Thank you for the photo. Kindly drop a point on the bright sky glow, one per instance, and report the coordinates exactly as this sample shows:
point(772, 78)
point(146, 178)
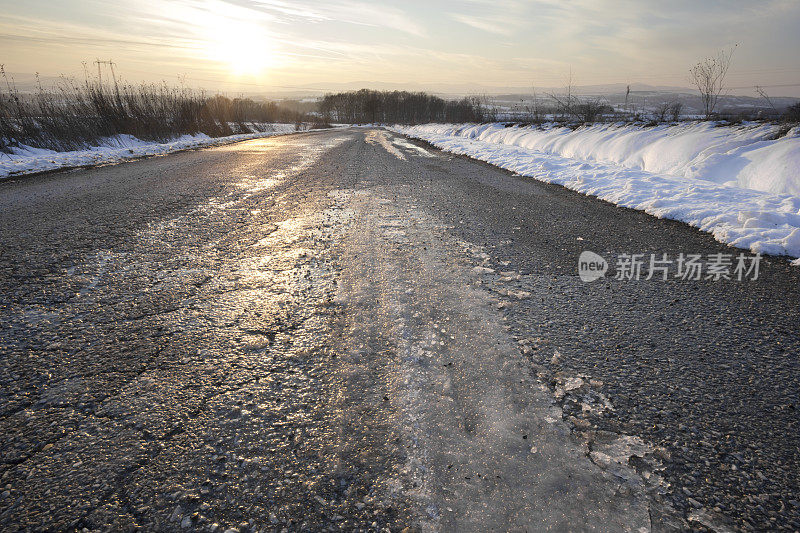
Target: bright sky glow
point(450, 46)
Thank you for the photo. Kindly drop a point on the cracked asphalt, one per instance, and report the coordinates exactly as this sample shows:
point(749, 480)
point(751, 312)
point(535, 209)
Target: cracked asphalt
point(348, 330)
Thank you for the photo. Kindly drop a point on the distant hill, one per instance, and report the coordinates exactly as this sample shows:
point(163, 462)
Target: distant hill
point(642, 96)
point(647, 100)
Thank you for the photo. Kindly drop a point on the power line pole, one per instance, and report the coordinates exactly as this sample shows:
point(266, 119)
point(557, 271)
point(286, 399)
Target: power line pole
point(113, 72)
point(99, 72)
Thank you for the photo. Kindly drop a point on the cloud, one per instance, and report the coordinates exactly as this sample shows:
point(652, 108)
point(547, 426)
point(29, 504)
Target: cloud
point(501, 27)
point(34, 30)
point(501, 42)
point(500, 17)
point(339, 11)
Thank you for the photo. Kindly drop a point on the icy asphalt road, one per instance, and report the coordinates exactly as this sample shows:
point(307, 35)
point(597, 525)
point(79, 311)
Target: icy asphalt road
point(348, 330)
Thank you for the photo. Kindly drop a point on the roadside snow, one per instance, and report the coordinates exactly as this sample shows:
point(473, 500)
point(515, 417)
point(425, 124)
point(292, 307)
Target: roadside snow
point(737, 183)
point(27, 160)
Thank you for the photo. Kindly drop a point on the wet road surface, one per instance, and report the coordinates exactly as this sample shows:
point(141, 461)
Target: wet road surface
point(348, 330)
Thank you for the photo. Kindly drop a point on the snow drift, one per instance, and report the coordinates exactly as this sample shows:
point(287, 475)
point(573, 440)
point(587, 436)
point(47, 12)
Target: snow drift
point(26, 159)
point(739, 183)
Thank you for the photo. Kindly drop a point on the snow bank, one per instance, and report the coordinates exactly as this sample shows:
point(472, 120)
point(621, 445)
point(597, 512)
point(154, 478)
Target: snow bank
point(26, 160)
point(740, 184)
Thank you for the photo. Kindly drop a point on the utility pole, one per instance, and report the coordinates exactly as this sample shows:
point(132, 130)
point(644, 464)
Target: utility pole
point(627, 94)
point(113, 73)
point(111, 67)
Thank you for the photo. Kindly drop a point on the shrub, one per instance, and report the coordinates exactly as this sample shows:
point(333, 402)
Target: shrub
point(792, 113)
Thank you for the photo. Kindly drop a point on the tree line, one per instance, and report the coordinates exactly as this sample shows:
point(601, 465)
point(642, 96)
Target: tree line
point(400, 107)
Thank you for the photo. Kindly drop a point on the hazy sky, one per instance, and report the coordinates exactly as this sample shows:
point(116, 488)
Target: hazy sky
point(255, 44)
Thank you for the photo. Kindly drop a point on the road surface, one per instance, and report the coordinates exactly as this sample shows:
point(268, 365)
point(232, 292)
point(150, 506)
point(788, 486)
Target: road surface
point(349, 330)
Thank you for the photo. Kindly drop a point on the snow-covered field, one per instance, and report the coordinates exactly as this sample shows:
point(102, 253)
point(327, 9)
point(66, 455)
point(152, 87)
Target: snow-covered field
point(739, 183)
point(26, 160)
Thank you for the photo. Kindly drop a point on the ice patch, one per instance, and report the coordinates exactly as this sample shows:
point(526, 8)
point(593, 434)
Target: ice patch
point(398, 141)
point(100, 261)
point(378, 137)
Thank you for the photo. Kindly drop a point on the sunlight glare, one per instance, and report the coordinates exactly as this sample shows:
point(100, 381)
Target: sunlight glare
point(245, 47)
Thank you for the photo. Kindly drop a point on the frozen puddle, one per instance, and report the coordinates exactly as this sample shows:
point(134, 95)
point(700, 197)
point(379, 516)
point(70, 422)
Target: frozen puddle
point(485, 445)
point(401, 142)
point(397, 146)
point(379, 138)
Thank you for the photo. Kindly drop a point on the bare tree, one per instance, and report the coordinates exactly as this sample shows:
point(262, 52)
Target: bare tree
point(586, 111)
point(662, 111)
point(536, 117)
point(668, 110)
point(675, 109)
point(763, 94)
point(708, 76)
point(565, 104)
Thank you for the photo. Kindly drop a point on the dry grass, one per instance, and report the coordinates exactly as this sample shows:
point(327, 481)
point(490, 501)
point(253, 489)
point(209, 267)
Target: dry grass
point(73, 115)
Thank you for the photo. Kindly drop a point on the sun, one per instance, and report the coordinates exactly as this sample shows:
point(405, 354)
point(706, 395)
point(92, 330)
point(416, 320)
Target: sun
point(244, 47)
